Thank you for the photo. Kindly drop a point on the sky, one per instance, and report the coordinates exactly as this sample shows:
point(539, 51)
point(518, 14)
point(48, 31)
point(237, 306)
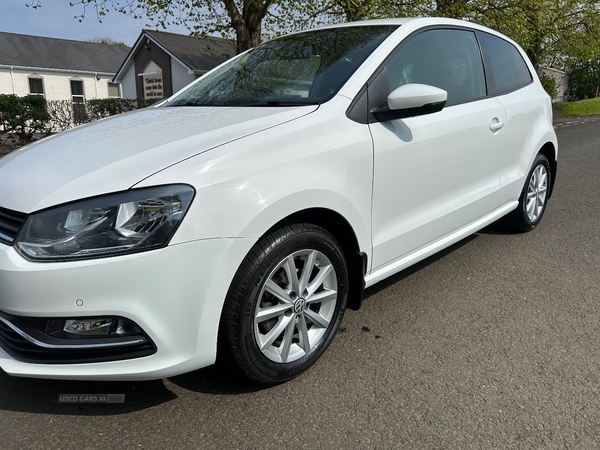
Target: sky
point(56, 19)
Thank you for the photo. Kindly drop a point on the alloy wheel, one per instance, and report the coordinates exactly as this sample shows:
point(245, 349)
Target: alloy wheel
point(295, 306)
point(536, 193)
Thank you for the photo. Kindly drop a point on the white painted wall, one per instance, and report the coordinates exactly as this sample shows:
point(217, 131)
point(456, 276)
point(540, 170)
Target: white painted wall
point(57, 85)
point(128, 89)
point(5, 82)
point(180, 75)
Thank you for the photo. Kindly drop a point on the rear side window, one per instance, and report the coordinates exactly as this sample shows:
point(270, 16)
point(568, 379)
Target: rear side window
point(505, 67)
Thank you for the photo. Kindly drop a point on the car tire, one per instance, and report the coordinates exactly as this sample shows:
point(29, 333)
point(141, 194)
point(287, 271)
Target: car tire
point(534, 197)
point(279, 318)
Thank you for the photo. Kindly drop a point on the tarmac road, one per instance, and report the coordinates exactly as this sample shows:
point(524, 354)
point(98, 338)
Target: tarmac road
point(491, 344)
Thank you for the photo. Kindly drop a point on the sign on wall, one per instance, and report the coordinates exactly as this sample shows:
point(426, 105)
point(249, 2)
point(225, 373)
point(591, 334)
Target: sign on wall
point(153, 81)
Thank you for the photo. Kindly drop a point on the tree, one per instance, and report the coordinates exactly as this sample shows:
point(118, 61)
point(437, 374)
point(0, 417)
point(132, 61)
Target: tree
point(356, 10)
point(245, 21)
point(585, 78)
point(321, 12)
point(242, 17)
point(105, 40)
point(551, 31)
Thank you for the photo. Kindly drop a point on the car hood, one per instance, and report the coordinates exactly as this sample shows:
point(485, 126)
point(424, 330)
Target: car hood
point(116, 153)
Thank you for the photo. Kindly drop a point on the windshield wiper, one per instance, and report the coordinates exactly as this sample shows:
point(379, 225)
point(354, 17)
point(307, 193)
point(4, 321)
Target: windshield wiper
point(280, 103)
point(272, 102)
point(189, 103)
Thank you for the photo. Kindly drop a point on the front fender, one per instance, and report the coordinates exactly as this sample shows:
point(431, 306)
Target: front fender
point(243, 188)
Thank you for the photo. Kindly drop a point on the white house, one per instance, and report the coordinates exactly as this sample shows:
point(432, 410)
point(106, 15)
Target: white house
point(58, 69)
point(160, 63)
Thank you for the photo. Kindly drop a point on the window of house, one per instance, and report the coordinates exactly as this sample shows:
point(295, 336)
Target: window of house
point(36, 85)
point(113, 90)
point(77, 91)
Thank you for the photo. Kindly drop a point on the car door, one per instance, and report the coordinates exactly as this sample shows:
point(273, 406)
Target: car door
point(526, 106)
point(435, 173)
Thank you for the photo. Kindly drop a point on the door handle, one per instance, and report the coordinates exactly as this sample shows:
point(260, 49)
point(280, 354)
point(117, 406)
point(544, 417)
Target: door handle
point(496, 125)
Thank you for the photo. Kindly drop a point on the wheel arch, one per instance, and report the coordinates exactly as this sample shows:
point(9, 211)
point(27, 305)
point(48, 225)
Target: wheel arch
point(337, 225)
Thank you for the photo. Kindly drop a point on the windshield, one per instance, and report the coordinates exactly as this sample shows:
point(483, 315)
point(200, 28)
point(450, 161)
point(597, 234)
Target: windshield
point(301, 69)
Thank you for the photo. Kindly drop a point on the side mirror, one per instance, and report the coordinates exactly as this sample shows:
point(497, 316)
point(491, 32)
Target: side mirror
point(411, 100)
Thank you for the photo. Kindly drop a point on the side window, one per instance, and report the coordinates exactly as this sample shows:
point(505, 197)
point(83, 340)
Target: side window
point(504, 64)
point(79, 112)
point(36, 85)
point(77, 91)
point(448, 59)
point(113, 90)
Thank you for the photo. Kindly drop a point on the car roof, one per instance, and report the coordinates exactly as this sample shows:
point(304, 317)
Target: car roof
point(418, 21)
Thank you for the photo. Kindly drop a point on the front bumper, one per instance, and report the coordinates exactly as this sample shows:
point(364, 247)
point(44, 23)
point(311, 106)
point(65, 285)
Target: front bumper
point(175, 295)
point(37, 341)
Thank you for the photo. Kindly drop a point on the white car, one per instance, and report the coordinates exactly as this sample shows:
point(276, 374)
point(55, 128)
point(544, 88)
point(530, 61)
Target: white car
point(238, 219)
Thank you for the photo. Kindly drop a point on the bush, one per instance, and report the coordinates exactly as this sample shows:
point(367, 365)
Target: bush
point(80, 113)
point(105, 107)
point(66, 114)
point(24, 116)
point(549, 85)
point(61, 114)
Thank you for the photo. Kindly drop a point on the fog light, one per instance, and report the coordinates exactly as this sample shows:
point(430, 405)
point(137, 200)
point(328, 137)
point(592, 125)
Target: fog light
point(91, 327)
point(88, 327)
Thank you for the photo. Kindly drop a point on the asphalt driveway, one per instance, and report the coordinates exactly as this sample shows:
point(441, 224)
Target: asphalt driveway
point(491, 344)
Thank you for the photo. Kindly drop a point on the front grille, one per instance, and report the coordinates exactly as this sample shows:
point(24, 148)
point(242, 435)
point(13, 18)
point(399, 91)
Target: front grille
point(10, 223)
point(44, 349)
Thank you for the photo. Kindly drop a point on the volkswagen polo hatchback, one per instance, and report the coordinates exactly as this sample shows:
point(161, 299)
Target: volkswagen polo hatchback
point(238, 219)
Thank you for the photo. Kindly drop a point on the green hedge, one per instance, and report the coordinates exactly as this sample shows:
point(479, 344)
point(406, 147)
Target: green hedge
point(549, 85)
point(105, 107)
point(24, 116)
point(32, 114)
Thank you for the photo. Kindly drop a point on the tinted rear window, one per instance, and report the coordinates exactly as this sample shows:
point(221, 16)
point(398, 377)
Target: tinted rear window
point(505, 67)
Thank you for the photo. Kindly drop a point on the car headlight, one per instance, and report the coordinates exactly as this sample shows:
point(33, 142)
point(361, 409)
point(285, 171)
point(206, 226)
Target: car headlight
point(130, 221)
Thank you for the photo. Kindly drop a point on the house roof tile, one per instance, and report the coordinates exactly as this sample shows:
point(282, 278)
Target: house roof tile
point(51, 53)
point(199, 53)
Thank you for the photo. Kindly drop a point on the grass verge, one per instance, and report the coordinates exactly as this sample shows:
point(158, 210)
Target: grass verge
point(590, 107)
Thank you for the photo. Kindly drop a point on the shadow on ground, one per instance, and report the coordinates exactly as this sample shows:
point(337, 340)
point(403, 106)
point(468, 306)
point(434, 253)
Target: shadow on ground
point(41, 396)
